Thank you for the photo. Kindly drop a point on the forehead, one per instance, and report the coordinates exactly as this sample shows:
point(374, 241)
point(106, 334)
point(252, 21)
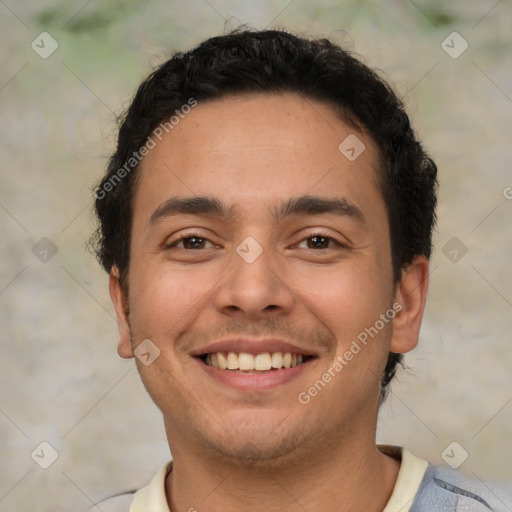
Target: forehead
point(256, 147)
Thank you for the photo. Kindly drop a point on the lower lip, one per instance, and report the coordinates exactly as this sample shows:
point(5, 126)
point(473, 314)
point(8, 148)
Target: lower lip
point(254, 381)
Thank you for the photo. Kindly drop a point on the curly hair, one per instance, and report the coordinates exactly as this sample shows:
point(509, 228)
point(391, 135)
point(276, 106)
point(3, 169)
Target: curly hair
point(270, 61)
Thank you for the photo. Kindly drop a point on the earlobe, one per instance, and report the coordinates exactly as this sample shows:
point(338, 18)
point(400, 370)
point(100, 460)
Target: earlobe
point(411, 293)
point(117, 295)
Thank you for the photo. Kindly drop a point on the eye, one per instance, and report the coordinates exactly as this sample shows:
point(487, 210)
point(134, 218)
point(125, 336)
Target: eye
point(191, 241)
point(320, 241)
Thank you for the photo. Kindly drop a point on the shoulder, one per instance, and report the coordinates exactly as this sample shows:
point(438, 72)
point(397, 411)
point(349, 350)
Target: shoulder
point(119, 503)
point(150, 497)
point(448, 490)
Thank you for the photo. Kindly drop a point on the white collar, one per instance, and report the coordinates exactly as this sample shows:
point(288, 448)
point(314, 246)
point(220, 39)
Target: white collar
point(412, 469)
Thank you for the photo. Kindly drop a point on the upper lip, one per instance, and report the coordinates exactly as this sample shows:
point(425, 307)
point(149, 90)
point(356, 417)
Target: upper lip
point(252, 346)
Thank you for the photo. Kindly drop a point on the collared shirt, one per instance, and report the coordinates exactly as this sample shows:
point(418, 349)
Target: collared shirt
point(152, 498)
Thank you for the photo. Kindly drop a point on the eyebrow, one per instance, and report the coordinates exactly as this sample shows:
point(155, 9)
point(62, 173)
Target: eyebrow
point(303, 205)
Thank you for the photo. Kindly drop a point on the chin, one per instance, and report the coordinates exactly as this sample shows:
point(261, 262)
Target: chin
point(259, 448)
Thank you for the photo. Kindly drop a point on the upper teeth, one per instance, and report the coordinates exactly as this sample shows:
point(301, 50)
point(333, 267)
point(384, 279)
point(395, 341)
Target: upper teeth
point(246, 361)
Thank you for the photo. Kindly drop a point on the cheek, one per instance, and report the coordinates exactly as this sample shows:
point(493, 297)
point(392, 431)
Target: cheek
point(164, 299)
point(346, 299)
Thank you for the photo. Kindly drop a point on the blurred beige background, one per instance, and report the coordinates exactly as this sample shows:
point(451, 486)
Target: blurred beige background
point(61, 381)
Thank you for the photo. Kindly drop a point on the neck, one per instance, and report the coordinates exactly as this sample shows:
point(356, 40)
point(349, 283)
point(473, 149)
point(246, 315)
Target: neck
point(352, 477)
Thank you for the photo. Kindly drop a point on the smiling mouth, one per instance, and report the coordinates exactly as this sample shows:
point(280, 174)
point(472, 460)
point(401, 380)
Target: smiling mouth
point(244, 362)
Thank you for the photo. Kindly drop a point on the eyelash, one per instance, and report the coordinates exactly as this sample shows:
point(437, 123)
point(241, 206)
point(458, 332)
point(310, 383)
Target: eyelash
point(188, 236)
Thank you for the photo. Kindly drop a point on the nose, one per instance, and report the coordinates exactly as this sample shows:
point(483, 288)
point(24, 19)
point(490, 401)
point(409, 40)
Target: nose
point(254, 289)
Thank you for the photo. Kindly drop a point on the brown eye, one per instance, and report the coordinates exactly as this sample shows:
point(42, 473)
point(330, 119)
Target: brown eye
point(190, 242)
point(318, 242)
point(193, 242)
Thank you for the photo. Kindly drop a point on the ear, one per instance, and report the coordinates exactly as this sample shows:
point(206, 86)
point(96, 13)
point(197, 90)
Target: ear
point(120, 301)
point(411, 294)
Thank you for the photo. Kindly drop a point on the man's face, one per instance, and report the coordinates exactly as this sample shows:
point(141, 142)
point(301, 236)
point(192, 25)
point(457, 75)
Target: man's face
point(323, 276)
